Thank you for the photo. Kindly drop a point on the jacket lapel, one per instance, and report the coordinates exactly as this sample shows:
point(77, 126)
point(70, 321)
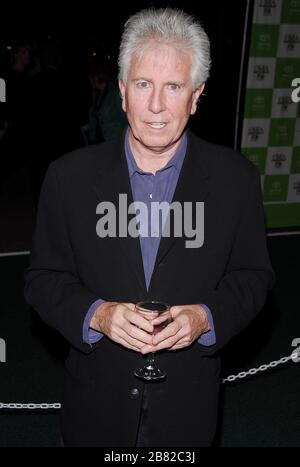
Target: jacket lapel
point(111, 182)
point(192, 185)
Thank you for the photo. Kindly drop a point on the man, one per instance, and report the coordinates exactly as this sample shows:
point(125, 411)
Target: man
point(86, 284)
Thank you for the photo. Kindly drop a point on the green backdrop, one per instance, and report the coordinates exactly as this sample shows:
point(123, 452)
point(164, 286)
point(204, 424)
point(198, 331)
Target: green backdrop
point(271, 127)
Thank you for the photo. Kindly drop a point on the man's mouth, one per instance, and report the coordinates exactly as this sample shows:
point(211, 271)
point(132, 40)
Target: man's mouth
point(156, 125)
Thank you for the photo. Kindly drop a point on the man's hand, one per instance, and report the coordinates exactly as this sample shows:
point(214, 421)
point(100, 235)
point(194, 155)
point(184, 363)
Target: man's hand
point(121, 323)
point(189, 322)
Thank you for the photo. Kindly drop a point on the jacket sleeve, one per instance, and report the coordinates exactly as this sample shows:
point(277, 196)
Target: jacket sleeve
point(242, 291)
point(52, 285)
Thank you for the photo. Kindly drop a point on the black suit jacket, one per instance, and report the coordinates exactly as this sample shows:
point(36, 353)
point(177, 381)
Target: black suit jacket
point(71, 267)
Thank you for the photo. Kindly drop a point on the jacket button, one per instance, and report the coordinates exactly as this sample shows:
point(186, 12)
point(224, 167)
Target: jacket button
point(134, 393)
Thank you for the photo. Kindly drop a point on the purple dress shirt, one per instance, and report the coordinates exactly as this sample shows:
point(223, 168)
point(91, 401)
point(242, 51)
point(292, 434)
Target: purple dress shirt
point(148, 187)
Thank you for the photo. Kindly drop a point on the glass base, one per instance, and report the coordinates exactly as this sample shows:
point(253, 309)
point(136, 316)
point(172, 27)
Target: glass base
point(150, 373)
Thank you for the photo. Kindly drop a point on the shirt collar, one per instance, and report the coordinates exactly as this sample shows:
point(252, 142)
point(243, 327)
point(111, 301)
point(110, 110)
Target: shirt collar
point(176, 161)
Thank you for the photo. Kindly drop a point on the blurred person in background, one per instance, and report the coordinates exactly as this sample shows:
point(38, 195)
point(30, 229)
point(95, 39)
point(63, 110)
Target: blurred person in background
point(106, 118)
point(50, 118)
point(23, 66)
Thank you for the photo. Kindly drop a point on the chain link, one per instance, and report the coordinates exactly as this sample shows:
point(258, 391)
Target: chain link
point(243, 374)
point(261, 368)
point(30, 406)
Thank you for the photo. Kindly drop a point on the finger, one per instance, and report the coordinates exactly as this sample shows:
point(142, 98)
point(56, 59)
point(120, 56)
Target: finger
point(174, 310)
point(162, 345)
point(169, 331)
point(149, 314)
point(132, 341)
point(137, 334)
point(178, 346)
point(130, 306)
point(138, 320)
point(126, 344)
point(147, 349)
point(161, 319)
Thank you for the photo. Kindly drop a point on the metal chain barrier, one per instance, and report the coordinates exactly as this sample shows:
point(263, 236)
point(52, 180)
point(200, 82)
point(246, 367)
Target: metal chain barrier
point(243, 374)
point(30, 406)
point(261, 368)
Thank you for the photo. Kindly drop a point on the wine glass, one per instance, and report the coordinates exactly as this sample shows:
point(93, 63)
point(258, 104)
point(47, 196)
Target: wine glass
point(150, 310)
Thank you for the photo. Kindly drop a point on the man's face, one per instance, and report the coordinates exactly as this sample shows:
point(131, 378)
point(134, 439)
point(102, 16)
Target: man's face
point(158, 97)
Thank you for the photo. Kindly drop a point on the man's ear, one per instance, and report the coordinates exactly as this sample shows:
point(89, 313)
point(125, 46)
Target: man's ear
point(196, 96)
point(122, 88)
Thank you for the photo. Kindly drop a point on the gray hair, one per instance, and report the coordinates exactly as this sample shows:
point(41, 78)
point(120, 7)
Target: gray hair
point(166, 26)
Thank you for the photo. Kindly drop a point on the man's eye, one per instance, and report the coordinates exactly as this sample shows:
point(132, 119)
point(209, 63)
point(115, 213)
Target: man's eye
point(173, 86)
point(143, 84)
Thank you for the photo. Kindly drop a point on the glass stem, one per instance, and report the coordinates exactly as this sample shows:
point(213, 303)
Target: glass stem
point(150, 360)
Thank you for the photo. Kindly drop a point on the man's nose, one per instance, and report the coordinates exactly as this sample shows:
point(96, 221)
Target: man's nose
point(157, 101)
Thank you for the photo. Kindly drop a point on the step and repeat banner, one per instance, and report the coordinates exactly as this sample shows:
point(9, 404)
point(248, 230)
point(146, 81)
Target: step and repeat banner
point(271, 127)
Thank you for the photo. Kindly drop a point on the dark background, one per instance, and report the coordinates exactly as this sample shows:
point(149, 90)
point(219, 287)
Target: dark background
point(258, 411)
point(86, 28)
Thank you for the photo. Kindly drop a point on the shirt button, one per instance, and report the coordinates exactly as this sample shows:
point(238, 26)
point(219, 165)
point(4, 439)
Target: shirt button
point(134, 393)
